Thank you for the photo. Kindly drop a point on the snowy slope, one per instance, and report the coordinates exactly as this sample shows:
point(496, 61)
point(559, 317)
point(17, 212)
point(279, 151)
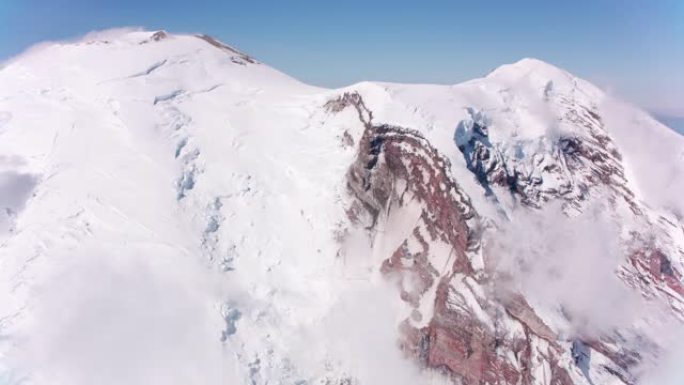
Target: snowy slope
point(176, 211)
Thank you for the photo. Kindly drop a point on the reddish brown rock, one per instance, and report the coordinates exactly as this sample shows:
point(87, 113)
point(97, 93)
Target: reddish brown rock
point(456, 339)
point(472, 336)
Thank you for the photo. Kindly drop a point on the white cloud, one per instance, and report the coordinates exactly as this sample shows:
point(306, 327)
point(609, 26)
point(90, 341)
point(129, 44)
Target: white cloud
point(106, 34)
point(108, 317)
point(362, 330)
point(567, 263)
point(669, 370)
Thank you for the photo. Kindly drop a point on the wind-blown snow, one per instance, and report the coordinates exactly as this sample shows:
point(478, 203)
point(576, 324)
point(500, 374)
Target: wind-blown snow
point(653, 152)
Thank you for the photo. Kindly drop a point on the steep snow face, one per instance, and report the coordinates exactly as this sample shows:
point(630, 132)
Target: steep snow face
point(165, 180)
point(174, 211)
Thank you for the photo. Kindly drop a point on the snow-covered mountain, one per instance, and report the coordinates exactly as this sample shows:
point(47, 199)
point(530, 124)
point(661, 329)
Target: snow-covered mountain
point(175, 211)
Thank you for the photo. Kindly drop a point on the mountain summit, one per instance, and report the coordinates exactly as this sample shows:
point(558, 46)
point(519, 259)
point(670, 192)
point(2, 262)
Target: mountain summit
point(175, 211)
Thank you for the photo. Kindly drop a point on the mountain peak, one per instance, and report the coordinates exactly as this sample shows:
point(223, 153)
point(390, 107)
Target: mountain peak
point(535, 74)
point(531, 62)
point(525, 66)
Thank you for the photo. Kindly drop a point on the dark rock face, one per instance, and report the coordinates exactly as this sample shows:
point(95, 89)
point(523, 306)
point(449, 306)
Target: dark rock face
point(159, 35)
point(156, 37)
point(468, 333)
point(237, 57)
point(653, 273)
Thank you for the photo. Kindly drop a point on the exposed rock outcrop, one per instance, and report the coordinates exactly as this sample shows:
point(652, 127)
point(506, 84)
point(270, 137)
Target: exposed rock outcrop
point(456, 324)
point(568, 167)
point(237, 57)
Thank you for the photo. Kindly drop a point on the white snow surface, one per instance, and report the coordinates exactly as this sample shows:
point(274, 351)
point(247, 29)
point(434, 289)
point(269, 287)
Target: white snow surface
point(171, 216)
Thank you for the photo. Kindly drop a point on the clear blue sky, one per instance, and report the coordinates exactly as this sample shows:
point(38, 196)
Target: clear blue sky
point(635, 47)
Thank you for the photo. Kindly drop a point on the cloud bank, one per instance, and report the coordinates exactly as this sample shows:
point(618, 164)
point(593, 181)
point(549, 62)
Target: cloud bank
point(125, 318)
point(567, 265)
